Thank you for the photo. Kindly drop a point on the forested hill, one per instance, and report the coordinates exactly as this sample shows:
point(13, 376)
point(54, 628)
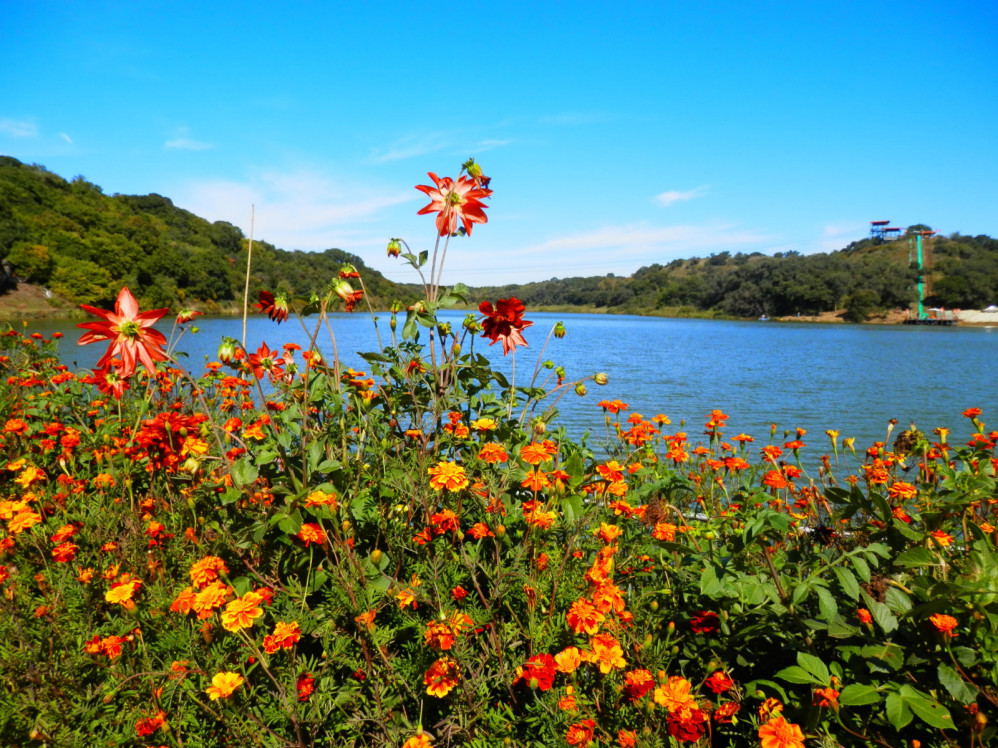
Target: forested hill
point(84, 245)
point(863, 278)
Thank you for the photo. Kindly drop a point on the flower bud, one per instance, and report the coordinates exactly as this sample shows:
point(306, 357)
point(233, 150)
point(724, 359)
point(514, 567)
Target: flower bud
point(559, 330)
point(601, 378)
point(394, 248)
point(376, 556)
point(539, 426)
point(227, 351)
point(580, 389)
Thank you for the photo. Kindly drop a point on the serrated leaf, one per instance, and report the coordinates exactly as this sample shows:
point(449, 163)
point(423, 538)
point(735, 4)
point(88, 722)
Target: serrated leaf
point(858, 694)
point(826, 604)
point(956, 685)
point(710, 585)
point(915, 557)
point(814, 666)
point(847, 580)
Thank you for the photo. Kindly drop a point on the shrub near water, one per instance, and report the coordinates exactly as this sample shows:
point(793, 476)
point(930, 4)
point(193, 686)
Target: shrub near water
point(416, 555)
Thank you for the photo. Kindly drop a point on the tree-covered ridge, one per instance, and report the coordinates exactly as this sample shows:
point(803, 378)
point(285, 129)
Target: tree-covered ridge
point(863, 277)
point(84, 245)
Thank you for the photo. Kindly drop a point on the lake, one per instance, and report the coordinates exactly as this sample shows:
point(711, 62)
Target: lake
point(851, 378)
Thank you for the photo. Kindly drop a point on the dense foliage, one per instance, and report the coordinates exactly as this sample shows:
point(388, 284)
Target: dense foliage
point(278, 551)
point(84, 245)
point(863, 278)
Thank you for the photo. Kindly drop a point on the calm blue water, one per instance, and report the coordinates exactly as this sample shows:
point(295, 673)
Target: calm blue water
point(852, 378)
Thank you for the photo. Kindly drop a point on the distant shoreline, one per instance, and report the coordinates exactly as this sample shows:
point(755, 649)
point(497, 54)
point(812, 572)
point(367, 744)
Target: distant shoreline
point(30, 302)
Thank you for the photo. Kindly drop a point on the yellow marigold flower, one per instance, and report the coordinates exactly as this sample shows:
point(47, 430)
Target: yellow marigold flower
point(123, 592)
point(223, 684)
point(241, 612)
point(484, 424)
point(568, 660)
point(447, 475)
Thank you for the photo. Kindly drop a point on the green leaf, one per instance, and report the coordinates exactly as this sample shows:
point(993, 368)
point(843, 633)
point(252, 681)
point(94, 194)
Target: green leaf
point(814, 666)
point(881, 614)
point(847, 580)
point(794, 674)
point(897, 601)
point(858, 694)
point(826, 604)
point(244, 472)
point(928, 710)
point(915, 557)
point(897, 712)
point(956, 685)
point(862, 568)
point(328, 466)
point(710, 585)
point(965, 656)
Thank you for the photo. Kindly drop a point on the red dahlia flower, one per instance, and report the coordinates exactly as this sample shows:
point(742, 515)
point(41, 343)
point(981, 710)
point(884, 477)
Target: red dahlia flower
point(504, 322)
point(276, 309)
point(453, 201)
point(130, 332)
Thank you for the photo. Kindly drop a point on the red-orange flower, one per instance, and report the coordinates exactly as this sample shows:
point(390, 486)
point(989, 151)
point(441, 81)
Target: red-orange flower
point(944, 623)
point(453, 201)
point(441, 678)
point(504, 322)
point(275, 308)
point(581, 733)
point(130, 332)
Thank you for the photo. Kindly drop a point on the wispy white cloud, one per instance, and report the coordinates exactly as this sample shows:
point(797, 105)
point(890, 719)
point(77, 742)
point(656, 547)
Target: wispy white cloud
point(838, 235)
point(65, 137)
point(489, 144)
point(412, 146)
point(641, 239)
point(186, 144)
point(294, 210)
point(18, 128)
point(676, 196)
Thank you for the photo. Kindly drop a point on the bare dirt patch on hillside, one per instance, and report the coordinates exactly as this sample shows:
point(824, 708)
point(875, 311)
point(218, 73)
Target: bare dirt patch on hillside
point(31, 302)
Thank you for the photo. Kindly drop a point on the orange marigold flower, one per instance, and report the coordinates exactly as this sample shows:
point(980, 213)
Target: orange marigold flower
point(447, 475)
point(211, 597)
point(568, 660)
point(606, 652)
point(584, 617)
point(825, 697)
point(944, 623)
point(321, 498)
point(944, 539)
point(627, 738)
point(241, 612)
point(675, 694)
point(184, 602)
point(537, 672)
point(664, 531)
point(442, 677)
point(420, 740)
point(864, 616)
point(285, 636)
point(65, 552)
point(223, 685)
point(608, 533)
point(581, 733)
point(536, 480)
point(534, 454)
point(972, 412)
point(724, 712)
point(778, 733)
point(311, 532)
point(305, 685)
point(567, 703)
point(493, 453)
point(901, 491)
point(22, 521)
point(481, 530)
point(148, 725)
point(207, 570)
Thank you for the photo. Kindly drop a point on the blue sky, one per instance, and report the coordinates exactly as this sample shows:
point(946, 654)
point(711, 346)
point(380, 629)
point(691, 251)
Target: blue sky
point(616, 137)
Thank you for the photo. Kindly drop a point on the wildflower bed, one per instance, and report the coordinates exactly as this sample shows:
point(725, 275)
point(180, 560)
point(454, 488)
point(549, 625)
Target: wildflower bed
point(418, 556)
